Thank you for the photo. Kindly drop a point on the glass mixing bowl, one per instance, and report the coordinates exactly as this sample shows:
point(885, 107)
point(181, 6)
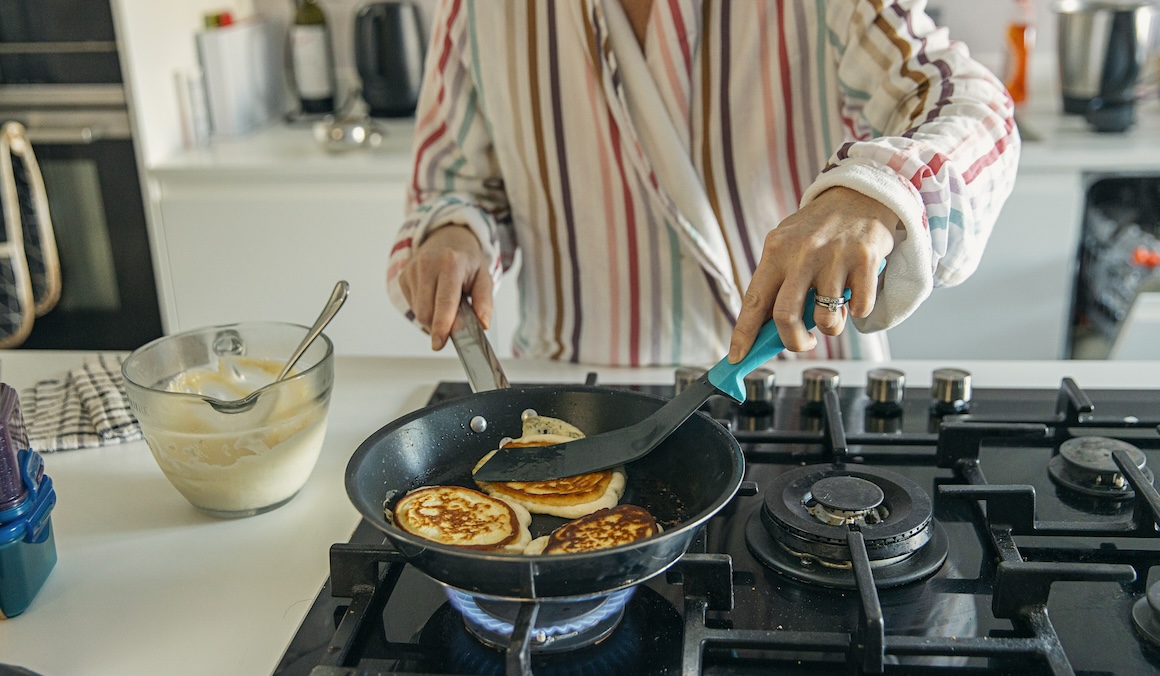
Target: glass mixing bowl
point(230, 460)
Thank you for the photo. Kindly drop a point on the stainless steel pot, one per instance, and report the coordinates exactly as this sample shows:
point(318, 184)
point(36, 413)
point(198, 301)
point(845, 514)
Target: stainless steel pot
point(1103, 47)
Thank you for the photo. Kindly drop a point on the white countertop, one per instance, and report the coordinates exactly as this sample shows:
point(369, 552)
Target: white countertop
point(1051, 142)
point(286, 150)
point(145, 584)
point(1056, 142)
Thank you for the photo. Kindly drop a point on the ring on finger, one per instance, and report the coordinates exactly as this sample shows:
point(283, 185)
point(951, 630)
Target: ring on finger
point(831, 303)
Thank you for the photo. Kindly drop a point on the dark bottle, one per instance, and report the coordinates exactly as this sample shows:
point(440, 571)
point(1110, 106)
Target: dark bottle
point(311, 58)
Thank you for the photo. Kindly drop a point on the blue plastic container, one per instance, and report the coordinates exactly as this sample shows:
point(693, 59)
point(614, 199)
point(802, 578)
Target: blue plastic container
point(27, 546)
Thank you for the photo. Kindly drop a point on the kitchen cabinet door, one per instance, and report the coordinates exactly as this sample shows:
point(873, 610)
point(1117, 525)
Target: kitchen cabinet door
point(272, 248)
point(1017, 305)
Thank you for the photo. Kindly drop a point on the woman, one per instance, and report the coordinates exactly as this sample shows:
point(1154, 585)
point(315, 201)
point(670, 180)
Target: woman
point(652, 160)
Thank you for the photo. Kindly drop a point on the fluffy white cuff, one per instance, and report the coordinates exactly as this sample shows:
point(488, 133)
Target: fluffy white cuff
point(907, 280)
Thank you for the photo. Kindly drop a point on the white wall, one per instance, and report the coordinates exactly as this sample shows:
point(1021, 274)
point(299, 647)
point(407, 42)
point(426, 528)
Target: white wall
point(981, 24)
point(156, 40)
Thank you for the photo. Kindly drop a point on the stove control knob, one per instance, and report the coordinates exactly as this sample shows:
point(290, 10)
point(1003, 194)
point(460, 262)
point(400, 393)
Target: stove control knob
point(885, 386)
point(685, 376)
point(760, 386)
point(816, 382)
point(951, 388)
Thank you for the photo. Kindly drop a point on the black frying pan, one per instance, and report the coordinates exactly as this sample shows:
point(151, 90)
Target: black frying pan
point(684, 482)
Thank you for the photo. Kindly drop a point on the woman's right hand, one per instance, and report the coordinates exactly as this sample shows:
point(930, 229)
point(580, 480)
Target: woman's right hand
point(449, 263)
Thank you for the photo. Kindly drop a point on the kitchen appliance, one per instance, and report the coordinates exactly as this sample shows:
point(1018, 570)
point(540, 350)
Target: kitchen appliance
point(1118, 271)
point(880, 529)
point(1103, 47)
point(389, 46)
point(61, 78)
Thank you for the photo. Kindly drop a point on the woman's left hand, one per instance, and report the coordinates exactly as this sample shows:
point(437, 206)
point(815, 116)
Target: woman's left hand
point(833, 243)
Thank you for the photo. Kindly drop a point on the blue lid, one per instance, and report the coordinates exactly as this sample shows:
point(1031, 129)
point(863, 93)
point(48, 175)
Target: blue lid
point(29, 519)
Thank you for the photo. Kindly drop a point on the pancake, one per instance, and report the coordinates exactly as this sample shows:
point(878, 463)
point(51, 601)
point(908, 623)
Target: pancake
point(453, 515)
point(568, 497)
point(542, 424)
point(600, 530)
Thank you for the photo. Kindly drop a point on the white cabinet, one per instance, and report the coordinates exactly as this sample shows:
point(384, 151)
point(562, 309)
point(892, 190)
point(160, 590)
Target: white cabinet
point(1018, 303)
point(264, 246)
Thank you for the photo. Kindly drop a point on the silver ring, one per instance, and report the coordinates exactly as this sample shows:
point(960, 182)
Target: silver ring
point(831, 303)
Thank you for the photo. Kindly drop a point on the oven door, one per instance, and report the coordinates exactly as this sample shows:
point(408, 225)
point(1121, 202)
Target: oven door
point(57, 42)
point(108, 293)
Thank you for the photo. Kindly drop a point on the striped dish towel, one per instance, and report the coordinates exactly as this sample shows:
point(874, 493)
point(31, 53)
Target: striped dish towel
point(84, 408)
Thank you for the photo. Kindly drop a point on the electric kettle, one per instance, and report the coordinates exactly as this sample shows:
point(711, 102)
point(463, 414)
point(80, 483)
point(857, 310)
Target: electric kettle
point(1103, 48)
point(389, 47)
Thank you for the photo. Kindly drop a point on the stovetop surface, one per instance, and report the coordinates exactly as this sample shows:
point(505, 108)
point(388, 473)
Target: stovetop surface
point(420, 633)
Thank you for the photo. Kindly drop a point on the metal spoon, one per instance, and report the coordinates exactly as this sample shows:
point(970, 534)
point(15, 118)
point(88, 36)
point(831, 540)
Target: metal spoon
point(337, 298)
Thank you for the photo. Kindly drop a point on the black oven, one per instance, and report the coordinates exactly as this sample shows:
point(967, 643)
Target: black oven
point(61, 78)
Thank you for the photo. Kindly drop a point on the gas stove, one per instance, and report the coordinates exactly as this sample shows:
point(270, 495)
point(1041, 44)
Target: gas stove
point(880, 529)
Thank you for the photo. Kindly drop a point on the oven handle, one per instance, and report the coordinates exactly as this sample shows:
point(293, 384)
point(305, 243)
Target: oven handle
point(65, 135)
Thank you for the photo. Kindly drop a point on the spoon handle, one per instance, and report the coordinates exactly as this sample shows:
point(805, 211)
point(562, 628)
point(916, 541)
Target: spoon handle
point(337, 298)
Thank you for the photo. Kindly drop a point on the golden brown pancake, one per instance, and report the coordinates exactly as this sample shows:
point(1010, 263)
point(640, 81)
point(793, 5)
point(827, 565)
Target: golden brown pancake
point(569, 497)
point(453, 515)
point(600, 530)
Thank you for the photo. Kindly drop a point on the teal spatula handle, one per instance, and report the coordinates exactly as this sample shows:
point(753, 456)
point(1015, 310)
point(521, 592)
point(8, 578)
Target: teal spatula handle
point(730, 378)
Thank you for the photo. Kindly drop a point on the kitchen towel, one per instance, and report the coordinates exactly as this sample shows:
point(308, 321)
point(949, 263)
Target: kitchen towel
point(83, 408)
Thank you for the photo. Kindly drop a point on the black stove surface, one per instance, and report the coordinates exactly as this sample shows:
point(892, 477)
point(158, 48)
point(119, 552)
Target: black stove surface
point(1046, 585)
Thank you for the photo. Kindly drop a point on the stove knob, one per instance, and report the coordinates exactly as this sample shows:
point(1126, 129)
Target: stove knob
point(885, 386)
point(760, 386)
point(951, 388)
point(685, 376)
point(816, 382)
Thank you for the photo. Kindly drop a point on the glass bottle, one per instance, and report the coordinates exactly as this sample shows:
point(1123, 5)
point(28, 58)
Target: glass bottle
point(311, 58)
point(1020, 42)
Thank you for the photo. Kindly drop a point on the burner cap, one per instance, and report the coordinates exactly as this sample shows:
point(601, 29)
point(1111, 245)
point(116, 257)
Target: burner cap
point(1085, 465)
point(1146, 615)
point(845, 499)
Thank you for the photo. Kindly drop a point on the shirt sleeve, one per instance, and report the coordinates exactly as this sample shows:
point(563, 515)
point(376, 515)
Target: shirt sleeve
point(455, 177)
point(930, 133)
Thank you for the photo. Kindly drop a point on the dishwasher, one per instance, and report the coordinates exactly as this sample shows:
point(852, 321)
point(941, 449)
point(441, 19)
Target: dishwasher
point(1116, 308)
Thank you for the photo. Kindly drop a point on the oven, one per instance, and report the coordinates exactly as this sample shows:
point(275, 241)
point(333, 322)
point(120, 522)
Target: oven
point(60, 76)
point(880, 529)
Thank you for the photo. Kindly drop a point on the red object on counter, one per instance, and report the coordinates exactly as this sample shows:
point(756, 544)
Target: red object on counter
point(1020, 44)
point(1145, 257)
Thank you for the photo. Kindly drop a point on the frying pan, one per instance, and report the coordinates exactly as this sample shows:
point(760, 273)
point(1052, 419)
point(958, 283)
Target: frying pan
point(684, 482)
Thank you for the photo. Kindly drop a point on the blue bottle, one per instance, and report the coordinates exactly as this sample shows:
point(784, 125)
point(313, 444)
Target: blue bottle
point(27, 546)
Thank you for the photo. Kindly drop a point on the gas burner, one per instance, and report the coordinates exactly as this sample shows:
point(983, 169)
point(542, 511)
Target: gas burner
point(560, 625)
point(1146, 616)
point(801, 529)
point(647, 641)
point(1085, 465)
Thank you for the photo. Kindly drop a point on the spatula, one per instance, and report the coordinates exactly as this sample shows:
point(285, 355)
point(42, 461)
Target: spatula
point(609, 449)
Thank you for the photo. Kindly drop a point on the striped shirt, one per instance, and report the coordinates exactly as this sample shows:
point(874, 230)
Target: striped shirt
point(523, 134)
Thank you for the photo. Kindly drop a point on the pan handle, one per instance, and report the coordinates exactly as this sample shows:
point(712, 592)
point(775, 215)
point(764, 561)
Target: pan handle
point(475, 353)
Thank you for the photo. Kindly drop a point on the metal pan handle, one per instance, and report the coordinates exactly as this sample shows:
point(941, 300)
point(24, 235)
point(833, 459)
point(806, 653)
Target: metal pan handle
point(479, 361)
